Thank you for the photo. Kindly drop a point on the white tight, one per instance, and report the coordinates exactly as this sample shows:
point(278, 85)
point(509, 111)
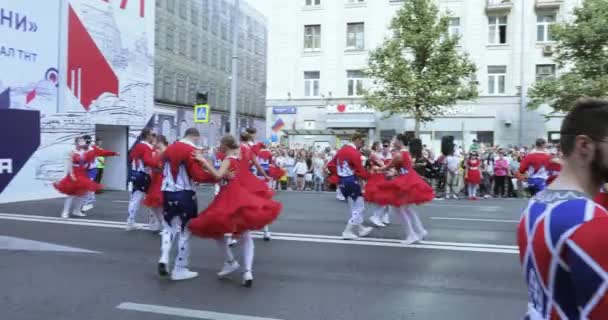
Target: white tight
point(134, 204)
point(156, 216)
point(410, 221)
point(168, 236)
point(378, 211)
point(77, 201)
point(472, 189)
point(248, 250)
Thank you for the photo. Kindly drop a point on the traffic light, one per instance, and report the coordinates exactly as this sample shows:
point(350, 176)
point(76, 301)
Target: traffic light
point(201, 98)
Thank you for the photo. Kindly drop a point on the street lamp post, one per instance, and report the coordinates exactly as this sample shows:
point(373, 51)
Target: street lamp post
point(235, 80)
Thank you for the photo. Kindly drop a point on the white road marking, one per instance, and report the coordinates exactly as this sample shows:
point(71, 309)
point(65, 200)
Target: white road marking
point(120, 201)
point(474, 219)
point(185, 313)
point(461, 206)
point(450, 246)
point(384, 240)
point(18, 244)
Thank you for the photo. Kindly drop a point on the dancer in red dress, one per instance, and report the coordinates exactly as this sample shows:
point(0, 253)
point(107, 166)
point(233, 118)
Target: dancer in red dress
point(275, 171)
point(248, 159)
point(77, 184)
point(180, 173)
point(217, 157)
point(235, 210)
point(154, 197)
point(406, 188)
point(473, 175)
point(376, 163)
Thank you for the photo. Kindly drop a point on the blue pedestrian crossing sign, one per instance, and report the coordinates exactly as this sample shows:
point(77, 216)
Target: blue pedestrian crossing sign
point(201, 113)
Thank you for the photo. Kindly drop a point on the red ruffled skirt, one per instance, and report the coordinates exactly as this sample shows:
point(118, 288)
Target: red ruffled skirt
point(473, 177)
point(254, 184)
point(154, 197)
point(79, 187)
point(234, 210)
point(405, 189)
point(602, 199)
point(372, 193)
point(333, 179)
point(276, 173)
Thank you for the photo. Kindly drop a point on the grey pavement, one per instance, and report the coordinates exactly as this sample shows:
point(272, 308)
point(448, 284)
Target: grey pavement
point(299, 280)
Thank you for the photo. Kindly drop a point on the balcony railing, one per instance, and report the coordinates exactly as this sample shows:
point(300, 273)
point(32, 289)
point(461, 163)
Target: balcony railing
point(498, 5)
point(548, 4)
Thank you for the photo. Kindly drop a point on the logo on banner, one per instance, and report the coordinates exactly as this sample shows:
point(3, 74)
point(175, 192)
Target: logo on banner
point(6, 166)
point(284, 110)
point(19, 129)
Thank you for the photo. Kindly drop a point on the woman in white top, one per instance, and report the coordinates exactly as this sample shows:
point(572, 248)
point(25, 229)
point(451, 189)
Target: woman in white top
point(300, 170)
point(290, 163)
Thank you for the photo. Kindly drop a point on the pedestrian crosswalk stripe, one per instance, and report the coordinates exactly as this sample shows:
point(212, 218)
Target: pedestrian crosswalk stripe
point(185, 313)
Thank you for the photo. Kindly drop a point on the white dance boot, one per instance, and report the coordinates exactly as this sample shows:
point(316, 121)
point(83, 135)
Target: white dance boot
point(364, 231)
point(349, 232)
point(228, 268)
point(179, 274)
point(247, 279)
point(376, 221)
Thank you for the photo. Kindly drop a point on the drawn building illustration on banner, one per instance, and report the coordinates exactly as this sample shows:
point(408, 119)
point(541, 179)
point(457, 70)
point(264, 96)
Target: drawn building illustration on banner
point(104, 78)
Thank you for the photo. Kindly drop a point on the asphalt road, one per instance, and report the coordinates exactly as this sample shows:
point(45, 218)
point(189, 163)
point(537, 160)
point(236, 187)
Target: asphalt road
point(467, 269)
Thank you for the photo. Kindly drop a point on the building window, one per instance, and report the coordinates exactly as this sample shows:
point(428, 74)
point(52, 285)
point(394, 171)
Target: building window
point(497, 29)
point(454, 29)
point(182, 43)
point(192, 89)
point(355, 82)
point(169, 39)
point(312, 37)
point(204, 53)
point(171, 5)
point(181, 89)
point(311, 83)
point(194, 48)
point(309, 3)
point(183, 9)
point(496, 79)
point(213, 56)
point(543, 27)
point(195, 14)
point(309, 124)
point(355, 39)
point(168, 88)
point(545, 72)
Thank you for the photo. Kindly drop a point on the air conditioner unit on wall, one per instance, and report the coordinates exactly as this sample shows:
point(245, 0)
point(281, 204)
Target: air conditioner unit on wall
point(548, 50)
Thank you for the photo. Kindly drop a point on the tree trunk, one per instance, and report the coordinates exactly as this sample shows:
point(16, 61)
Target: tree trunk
point(417, 121)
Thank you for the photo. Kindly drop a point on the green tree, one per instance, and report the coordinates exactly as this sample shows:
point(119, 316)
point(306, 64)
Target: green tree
point(419, 71)
point(581, 47)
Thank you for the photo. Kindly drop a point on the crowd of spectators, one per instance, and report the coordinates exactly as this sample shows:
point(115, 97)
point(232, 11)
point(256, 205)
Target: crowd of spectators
point(306, 169)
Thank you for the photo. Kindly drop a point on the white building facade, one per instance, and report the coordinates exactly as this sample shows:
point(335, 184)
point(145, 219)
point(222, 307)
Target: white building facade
point(318, 48)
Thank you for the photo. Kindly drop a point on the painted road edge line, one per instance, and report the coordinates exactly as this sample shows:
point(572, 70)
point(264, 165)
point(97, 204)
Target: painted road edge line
point(451, 246)
point(185, 313)
point(474, 219)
